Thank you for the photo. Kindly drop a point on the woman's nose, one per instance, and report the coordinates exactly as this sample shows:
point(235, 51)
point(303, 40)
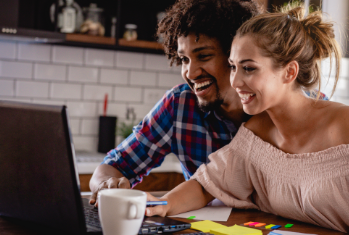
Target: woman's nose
point(235, 79)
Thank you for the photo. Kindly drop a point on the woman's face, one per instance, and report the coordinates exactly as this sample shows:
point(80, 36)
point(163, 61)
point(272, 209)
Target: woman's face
point(258, 83)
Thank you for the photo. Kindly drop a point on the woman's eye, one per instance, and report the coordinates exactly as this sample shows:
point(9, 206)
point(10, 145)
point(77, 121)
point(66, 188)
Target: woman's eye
point(232, 67)
point(183, 59)
point(248, 69)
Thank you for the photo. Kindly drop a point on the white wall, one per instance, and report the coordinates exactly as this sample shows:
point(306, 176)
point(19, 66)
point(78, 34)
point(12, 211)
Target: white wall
point(80, 77)
point(342, 91)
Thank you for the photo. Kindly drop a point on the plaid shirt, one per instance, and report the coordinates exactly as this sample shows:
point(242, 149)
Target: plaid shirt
point(176, 125)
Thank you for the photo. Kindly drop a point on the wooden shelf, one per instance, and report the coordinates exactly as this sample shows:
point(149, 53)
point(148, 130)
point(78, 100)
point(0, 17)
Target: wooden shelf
point(140, 44)
point(84, 38)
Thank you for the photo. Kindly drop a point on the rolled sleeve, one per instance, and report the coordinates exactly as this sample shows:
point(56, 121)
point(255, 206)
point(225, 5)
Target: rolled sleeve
point(147, 146)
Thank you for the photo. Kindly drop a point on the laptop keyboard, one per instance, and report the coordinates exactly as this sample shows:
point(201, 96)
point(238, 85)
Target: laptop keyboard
point(91, 218)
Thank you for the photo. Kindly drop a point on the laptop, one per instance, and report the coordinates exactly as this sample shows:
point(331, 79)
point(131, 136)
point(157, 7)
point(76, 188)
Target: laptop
point(39, 181)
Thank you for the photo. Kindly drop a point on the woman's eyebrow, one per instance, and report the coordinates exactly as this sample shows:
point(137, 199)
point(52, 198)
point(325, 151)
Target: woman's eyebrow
point(246, 60)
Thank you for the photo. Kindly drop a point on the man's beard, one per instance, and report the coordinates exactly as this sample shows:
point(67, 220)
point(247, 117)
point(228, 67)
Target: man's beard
point(207, 106)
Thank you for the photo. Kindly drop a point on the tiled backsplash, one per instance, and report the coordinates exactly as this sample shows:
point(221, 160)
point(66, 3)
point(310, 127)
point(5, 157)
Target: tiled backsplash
point(80, 77)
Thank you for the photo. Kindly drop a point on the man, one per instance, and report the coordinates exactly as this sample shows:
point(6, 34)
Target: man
point(192, 120)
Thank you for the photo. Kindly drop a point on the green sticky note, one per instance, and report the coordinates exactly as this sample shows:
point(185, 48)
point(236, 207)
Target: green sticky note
point(191, 217)
point(206, 225)
point(288, 225)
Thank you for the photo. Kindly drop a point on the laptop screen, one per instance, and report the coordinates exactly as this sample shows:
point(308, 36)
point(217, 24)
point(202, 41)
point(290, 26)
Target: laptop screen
point(38, 180)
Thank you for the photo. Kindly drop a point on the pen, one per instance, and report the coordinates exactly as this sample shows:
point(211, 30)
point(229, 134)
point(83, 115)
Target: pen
point(156, 203)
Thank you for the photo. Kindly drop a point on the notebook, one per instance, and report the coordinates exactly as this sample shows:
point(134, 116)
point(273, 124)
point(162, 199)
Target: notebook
point(39, 182)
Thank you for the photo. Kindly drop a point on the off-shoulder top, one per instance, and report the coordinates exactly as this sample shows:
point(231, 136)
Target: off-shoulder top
point(250, 173)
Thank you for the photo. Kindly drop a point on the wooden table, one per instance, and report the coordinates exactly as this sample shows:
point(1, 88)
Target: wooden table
point(13, 227)
point(242, 216)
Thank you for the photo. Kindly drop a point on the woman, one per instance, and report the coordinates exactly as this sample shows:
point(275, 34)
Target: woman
point(292, 157)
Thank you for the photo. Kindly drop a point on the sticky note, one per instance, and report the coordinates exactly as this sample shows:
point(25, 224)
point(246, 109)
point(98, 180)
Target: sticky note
point(247, 223)
point(260, 225)
point(276, 227)
point(206, 225)
point(274, 233)
point(288, 225)
point(269, 226)
point(191, 217)
point(253, 224)
point(236, 229)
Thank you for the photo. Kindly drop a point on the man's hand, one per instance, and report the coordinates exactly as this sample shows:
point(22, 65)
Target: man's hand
point(155, 210)
point(104, 177)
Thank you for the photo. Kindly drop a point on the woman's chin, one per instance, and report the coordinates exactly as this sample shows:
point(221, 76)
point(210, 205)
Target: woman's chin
point(250, 111)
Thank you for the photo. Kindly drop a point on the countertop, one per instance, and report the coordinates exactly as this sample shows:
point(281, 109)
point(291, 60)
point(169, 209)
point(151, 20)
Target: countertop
point(88, 161)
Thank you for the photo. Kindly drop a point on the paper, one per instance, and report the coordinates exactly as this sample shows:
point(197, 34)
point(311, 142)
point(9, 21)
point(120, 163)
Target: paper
point(290, 233)
point(206, 225)
point(236, 230)
point(215, 213)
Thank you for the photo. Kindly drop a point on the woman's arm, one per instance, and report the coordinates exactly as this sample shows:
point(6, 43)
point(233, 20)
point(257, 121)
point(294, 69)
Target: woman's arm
point(187, 196)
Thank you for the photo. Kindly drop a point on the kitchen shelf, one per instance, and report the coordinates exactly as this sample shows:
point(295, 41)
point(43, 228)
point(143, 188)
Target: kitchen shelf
point(141, 44)
point(99, 42)
point(84, 38)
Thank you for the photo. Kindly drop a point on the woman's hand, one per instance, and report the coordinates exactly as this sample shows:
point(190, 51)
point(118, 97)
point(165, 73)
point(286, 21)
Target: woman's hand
point(156, 210)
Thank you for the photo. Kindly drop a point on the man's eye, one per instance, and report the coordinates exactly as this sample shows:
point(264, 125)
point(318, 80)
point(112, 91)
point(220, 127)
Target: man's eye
point(203, 56)
point(249, 69)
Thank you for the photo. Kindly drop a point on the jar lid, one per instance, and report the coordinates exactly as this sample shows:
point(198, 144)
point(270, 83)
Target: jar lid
point(130, 26)
point(93, 8)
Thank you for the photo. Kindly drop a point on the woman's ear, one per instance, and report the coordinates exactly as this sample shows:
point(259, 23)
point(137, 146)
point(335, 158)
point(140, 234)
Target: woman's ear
point(292, 70)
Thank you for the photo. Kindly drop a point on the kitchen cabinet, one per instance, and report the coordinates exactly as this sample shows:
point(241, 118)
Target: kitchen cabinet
point(163, 178)
point(164, 181)
point(33, 16)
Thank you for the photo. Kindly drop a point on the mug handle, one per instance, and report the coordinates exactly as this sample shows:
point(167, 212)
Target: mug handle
point(138, 210)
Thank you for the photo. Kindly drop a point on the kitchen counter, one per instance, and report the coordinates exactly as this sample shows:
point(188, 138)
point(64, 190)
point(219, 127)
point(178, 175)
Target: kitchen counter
point(88, 161)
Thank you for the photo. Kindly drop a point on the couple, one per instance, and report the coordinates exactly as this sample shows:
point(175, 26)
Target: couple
point(291, 158)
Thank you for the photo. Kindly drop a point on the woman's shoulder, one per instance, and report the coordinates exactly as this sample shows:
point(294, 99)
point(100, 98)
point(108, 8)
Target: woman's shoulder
point(336, 120)
point(340, 114)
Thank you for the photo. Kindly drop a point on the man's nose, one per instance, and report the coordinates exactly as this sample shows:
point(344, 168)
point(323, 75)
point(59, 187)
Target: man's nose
point(193, 70)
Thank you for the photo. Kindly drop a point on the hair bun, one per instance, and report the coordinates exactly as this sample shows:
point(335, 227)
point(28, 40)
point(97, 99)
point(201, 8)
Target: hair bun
point(297, 12)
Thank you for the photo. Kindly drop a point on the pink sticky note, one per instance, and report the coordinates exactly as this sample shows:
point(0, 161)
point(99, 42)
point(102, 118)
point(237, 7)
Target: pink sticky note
point(253, 224)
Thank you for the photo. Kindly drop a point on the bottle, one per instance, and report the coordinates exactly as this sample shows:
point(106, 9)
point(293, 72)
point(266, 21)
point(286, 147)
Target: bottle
point(68, 17)
point(130, 32)
point(61, 6)
point(113, 27)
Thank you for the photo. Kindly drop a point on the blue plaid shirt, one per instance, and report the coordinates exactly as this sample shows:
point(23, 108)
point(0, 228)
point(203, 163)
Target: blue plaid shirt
point(176, 125)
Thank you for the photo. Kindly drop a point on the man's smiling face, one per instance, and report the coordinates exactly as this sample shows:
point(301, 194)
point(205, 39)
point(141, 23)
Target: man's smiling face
point(205, 68)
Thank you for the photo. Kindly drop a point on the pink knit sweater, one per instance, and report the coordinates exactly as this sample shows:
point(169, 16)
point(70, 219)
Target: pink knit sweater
point(250, 173)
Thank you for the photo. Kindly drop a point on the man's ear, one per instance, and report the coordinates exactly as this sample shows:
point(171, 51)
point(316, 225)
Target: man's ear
point(292, 70)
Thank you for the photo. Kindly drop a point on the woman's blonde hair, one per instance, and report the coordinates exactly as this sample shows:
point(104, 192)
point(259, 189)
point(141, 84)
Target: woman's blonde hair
point(289, 35)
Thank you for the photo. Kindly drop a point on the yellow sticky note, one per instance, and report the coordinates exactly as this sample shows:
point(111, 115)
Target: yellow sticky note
point(269, 226)
point(236, 230)
point(206, 225)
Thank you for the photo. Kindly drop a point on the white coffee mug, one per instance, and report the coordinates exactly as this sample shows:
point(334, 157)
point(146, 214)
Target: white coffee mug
point(121, 211)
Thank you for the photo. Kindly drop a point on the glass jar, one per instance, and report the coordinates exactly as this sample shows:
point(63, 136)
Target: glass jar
point(130, 33)
point(93, 20)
